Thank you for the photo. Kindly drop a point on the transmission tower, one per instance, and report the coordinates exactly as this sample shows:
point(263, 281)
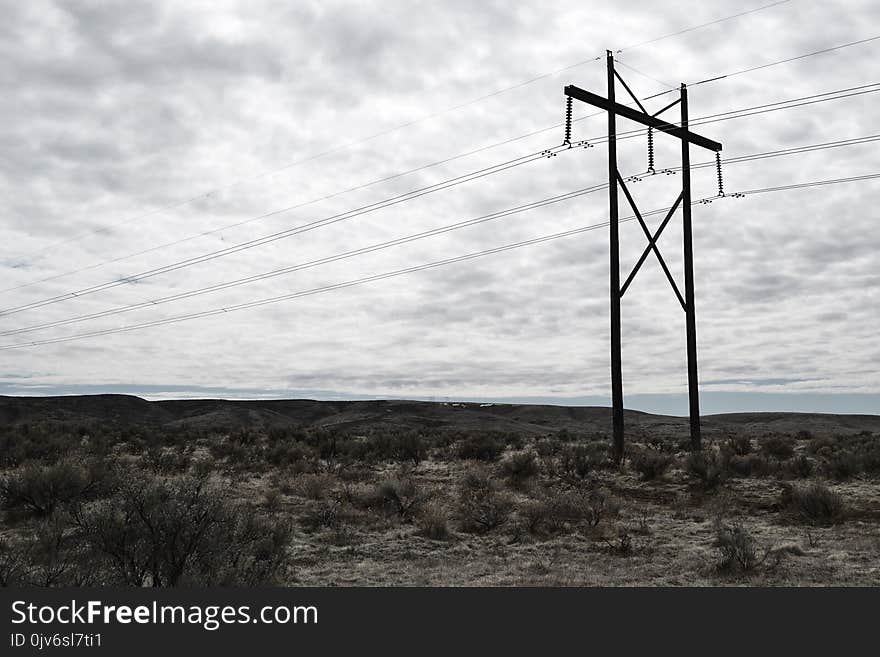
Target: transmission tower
point(615, 181)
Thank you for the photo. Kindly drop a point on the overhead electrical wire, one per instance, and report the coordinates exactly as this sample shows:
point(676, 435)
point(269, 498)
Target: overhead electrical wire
point(712, 118)
point(362, 140)
point(760, 67)
point(408, 270)
point(421, 235)
point(296, 230)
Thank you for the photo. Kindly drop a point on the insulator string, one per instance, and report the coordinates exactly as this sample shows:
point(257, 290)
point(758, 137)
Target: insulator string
point(568, 113)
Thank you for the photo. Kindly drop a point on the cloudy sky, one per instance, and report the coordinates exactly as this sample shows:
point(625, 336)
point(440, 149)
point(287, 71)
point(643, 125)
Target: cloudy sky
point(136, 135)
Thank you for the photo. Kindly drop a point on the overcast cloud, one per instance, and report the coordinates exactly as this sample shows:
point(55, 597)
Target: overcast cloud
point(113, 111)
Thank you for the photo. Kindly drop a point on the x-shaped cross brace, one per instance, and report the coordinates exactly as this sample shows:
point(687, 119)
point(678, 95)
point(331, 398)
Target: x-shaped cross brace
point(652, 242)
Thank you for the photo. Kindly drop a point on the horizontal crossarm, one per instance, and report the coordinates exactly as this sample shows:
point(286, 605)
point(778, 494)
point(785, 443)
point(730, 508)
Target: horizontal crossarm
point(641, 117)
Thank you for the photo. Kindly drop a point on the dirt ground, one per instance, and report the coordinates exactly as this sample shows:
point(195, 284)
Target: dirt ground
point(673, 531)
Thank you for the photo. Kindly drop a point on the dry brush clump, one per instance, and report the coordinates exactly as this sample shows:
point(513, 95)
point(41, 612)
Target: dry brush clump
point(778, 446)
point(433, 521)
point(561, 510)
point(149, 531)
point(39, 489)
point(581, 461)
point(481, 447)
point(482, 507)
point(518, 469)
point(738, 549)
point(815, 503)
point(650, 463)
point(707, 468)
point(400, 497)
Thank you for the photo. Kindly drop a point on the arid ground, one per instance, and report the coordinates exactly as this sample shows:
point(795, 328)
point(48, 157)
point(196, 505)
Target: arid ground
point(115, 490)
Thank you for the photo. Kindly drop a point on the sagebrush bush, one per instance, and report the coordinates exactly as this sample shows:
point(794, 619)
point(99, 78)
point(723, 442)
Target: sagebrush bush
point(780, 447)
point(843, 465)
point(559, 510)
point(481, 506)
point(739, 445)
point(737, 547)
point(480, 447)
point(39, 489)
point(387, 445)
point(326, 514)
point(707, 468)
point(799, 466)
point(433, 522)
point(314, 486)
point(814, 503)
point(650, 464)
point(178, 532)
point(579, 462)
point(519, 468)
point(400, 497)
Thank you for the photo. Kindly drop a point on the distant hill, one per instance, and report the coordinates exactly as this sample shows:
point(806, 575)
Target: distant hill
point(127, 410)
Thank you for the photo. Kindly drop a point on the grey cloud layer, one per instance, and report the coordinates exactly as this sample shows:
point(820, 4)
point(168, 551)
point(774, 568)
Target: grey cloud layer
point(116, 109)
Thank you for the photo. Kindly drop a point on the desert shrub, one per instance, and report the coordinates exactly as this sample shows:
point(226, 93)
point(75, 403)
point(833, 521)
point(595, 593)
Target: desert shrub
point(314, 486)
point(166, 461)
point(707, 468)
point(387, 445)
point(780, 447)
point(749, 465)
point(290, 454)
point(843, 465)
point(799, 466)
point(559, 510)
point(546, 447)
point(25, 443)
point(621, 544)
point(554, 513)
point(650, 464)
point(739, 445)
point(278, 434)
point(400, 497)
point(481, 506)
point(180, 532)
point(480, 447)
point(272, 500)
point(581, 461)
point(822, 446)
point(48, 554)
point(576, 462)
point(740, 466)
point(737, 548)
point(326, 514)
point(38, 490)
point(600, 504)
point(517, 469)
point(814, 503)
point(13, 563)
point(433, 522)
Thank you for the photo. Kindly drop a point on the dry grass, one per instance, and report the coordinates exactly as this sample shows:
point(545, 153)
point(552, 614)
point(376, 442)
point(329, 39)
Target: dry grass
point(435, 509)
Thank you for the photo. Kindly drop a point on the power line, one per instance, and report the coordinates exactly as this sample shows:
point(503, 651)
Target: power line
point(274, 237)
point(723, 116)
point(697, 27)
point(770, 64)
point(382, 133)
point(408, 270)
point(418, 236)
